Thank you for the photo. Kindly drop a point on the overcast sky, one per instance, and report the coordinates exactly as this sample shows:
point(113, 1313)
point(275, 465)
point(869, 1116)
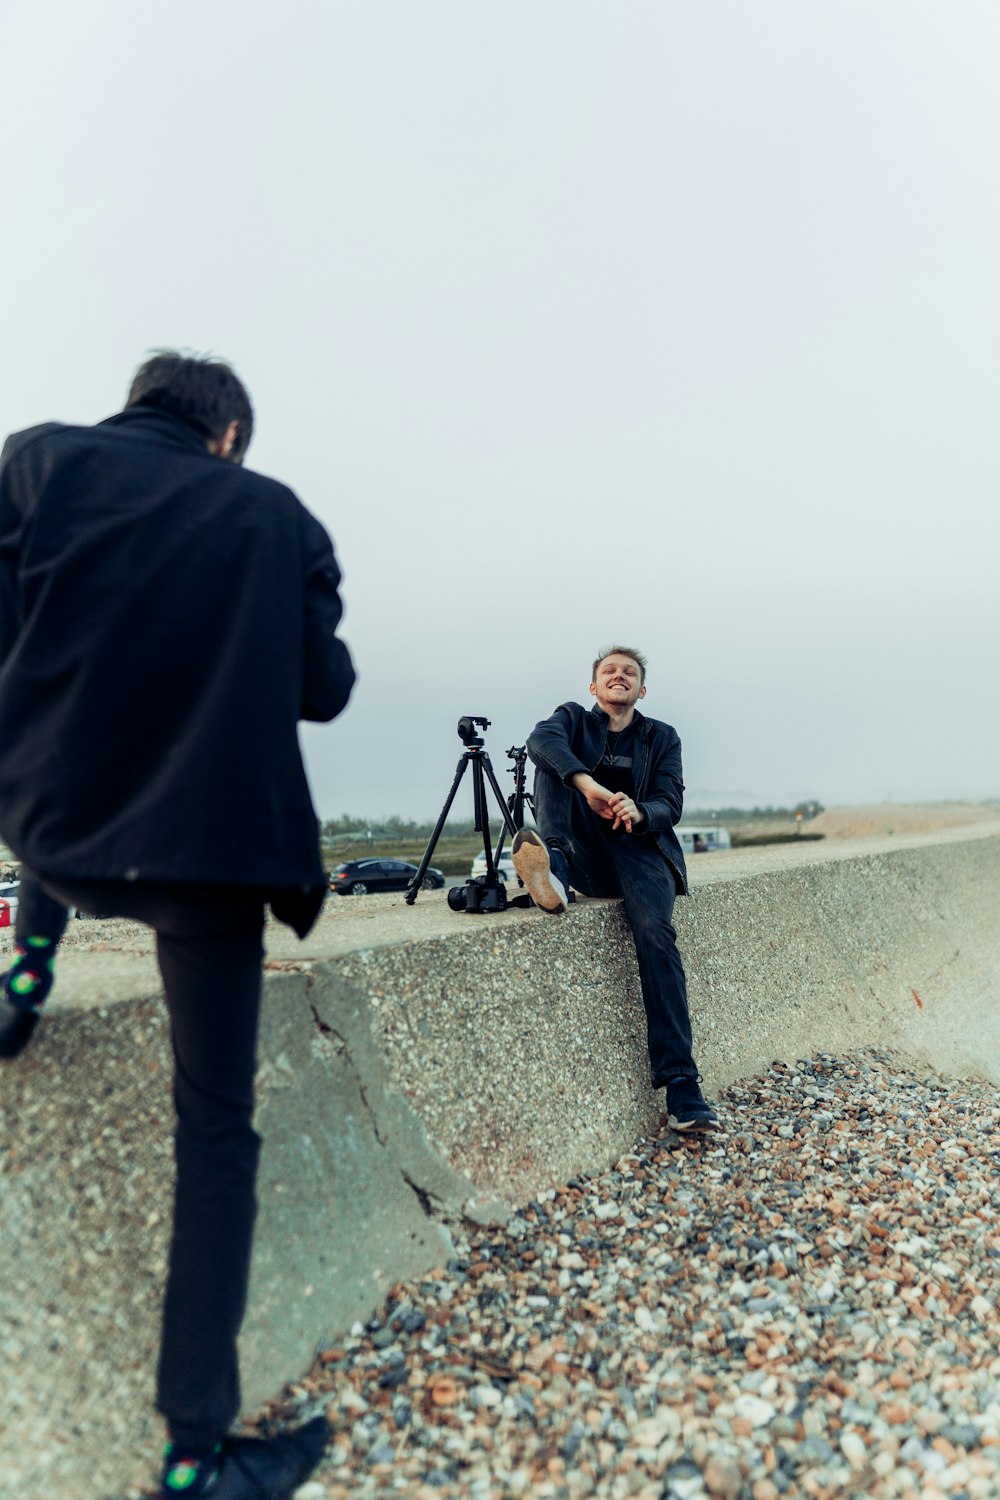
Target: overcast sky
point(576, 323)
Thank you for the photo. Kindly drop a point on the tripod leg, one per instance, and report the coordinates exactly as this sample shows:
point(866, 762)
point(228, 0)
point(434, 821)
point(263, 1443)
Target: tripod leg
point(479, 812)
point(514, 803)
point(501, 801)
point(483, 817)
point(417, 881)
point(518, 796)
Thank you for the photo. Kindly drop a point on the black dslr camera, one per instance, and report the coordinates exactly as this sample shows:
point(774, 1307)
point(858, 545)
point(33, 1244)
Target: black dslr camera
point(478, 895)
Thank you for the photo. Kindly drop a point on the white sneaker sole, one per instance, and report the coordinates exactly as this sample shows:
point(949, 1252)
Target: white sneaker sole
point(531, 861)
point(692, 1127)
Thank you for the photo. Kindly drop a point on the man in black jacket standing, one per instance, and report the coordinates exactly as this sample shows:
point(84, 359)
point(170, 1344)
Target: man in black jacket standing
point(166, 619)
point(608, 792)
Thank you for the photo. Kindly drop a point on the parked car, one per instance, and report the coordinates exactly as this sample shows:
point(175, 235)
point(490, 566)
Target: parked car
point(505, 870)
point(359, 877)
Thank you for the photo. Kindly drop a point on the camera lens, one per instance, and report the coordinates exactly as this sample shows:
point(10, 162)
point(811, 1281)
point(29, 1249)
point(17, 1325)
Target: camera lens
point(456, 898)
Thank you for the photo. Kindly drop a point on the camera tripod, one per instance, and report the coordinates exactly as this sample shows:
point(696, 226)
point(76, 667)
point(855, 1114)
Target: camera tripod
point(487, 892)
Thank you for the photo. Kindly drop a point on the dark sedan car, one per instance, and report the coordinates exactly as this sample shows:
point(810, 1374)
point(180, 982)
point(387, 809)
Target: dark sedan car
point(359, 877)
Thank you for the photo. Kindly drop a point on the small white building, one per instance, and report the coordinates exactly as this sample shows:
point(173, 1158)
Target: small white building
point(702, 839)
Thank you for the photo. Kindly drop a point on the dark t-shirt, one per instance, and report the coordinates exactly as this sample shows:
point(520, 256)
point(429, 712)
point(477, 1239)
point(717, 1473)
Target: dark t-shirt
point(615, 770)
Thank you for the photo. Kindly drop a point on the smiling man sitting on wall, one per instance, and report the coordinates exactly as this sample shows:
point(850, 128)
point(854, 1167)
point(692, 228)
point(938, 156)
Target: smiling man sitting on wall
point(608, 792)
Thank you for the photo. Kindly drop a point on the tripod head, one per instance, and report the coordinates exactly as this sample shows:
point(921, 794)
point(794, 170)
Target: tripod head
point(467, 730)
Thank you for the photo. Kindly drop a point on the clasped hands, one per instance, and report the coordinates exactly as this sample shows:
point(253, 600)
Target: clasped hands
point(616, 807)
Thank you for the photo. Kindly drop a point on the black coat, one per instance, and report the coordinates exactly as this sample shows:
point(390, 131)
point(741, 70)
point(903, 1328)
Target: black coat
point(166, 618)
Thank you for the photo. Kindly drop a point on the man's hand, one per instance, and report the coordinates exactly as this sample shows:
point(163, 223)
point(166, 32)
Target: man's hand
point(616, 807)
point(625, 811)
point(597, 797)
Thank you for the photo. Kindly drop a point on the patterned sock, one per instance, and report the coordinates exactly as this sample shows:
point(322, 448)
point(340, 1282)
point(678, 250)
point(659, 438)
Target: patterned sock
point(31, 978)
point(189, 1473)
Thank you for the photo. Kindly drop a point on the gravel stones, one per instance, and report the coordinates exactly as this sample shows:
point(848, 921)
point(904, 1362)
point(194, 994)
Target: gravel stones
point(805, 1307)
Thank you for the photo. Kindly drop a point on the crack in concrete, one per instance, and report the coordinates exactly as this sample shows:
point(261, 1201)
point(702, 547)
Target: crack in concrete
point(328, 1030)
point(364, 1100)
point(325, 1029)
point(424, 1198)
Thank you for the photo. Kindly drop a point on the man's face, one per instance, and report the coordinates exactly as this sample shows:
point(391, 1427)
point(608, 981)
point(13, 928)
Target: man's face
point(618, 683)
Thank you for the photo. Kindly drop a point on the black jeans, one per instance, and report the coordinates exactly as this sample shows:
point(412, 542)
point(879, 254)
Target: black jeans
point(208, 943)
point(632, 867)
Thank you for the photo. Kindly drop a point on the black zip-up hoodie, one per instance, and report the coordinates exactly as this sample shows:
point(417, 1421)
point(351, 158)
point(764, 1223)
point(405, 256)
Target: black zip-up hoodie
point(573, 739)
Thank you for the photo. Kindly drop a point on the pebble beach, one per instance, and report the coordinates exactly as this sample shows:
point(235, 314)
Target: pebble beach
point(805, 1305)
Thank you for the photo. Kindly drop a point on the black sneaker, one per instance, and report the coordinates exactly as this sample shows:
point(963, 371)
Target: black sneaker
point(17, 1022)
point(687, 1107)
point(262, 1469)
point(534, 863)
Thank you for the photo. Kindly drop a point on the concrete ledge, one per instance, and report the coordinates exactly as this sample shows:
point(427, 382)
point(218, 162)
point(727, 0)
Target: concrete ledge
point(418, 1065)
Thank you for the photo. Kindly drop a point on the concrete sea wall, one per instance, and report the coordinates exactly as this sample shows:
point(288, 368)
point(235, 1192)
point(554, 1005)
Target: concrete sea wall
point(418, 1066)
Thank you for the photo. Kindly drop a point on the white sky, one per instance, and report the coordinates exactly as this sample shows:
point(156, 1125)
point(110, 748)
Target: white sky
point(575, 322)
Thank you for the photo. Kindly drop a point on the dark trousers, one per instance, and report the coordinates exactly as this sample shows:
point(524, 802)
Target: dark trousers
point(39, 915)
point(630, 866)
point(208, 943)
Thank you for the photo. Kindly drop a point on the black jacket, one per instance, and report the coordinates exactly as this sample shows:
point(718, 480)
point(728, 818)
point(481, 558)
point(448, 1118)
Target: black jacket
point(573, 739)
point(166, 618)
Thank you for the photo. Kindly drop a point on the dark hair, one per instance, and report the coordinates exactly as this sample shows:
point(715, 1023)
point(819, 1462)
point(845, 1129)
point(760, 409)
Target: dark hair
point(202, 391)
point(636, 656)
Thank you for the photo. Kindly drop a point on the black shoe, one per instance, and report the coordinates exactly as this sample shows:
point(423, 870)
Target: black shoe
point(17, 1022)
point(544, 872)
point(687, 1108)
point(270, 1469)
